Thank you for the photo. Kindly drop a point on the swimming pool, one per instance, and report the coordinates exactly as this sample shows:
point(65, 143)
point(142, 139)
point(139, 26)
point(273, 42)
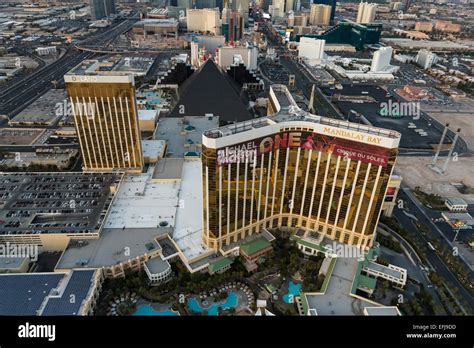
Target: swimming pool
point(231, 302)
point(294, 289)
point(146, 310)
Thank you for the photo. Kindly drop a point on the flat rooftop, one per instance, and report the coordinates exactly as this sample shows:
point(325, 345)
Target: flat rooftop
point(147, 115)
point(337, 299)
point(21, 136)
point(157, 265)
point(23, 294)
point(457, 216)
point(86, 67)
point(189, 219)
point(144, 203)
point(77, 284)
point(45, 110)
point(382, 311)
point(153, 148)
point(36, 203)
point(133, 65)
point(184, 134)
point(110, 248)
point(432, 45)
point(456, 201)
point(158, 22)
point(49, 293)
point(383, 269)
point(168, 169)
point(102, 71)
point(7, 263)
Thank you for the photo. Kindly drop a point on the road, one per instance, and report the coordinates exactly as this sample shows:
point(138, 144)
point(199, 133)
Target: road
point(321, 103)
point(433, 227)
point(461, 145)
point(416, 259)
point(16, 98)
point(303, 81)
point(434, 260)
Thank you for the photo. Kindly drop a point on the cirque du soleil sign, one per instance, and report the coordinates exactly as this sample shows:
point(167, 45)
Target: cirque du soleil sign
point(248, 151)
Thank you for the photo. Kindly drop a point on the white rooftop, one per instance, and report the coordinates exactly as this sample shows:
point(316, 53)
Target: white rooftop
point(153, 148)
point(389, 311)
point(141, 203)
point(189, 218)
point(145, 114)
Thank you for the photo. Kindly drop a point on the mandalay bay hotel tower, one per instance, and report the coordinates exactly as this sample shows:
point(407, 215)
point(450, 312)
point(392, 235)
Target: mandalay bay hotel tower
point(293, 169)
point(105, 114)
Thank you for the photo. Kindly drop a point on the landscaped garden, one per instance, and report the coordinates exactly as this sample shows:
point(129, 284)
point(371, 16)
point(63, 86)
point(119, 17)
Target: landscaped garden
point(171, 296)
point(292, 272)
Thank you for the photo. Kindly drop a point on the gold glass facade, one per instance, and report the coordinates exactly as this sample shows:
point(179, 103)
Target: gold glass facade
point(295, 179)
point(106, 122)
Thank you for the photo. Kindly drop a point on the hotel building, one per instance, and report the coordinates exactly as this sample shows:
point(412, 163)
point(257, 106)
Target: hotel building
point(103, 103)
point(294, 169)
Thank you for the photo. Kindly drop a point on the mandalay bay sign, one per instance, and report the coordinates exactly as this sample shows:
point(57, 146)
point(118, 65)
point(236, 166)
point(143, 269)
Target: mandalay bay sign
point(347, 148)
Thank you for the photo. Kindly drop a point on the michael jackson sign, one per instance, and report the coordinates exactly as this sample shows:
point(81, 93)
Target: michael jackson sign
point(248, 151)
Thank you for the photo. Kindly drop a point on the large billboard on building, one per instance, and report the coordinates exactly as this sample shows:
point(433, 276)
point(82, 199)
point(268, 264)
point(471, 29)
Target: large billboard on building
point(248, 151)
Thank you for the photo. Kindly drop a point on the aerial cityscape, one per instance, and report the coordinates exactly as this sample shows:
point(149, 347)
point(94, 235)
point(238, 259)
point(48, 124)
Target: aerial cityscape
point(236, 158)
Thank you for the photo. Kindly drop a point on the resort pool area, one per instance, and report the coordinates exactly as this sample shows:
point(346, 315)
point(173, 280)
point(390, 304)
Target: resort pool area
point(195, 306)
point(294, 289)
point(145, 310)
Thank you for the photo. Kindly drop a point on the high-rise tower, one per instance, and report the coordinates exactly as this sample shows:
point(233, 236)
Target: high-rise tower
point(105, 115)
point(298, 170)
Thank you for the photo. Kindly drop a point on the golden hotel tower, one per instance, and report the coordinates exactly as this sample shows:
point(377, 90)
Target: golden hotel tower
point(295, 169)
point(105, 115)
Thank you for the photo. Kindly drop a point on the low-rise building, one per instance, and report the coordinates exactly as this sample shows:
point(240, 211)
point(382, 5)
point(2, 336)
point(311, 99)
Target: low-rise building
point(49, 294)
point(147, 119)
point(456, 204)
point(458, 221)
point(382, 311)
point(392, 273)
point(424, 26)
point(447, 26)
point(253, 251)
point(14, 264)
point(220, 265)
point(157, 27)
point(157, 270)
point(45, 51)
point(153, 150)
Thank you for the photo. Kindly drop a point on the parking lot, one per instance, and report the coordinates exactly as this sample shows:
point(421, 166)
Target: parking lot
point(437, 100)
point(274, 72)
point(54, 203)
point(410, 139)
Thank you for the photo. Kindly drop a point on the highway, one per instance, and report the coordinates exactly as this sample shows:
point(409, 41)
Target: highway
point(304, 82)
point(434, 260)
point(417, 261)
point(16, 98)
